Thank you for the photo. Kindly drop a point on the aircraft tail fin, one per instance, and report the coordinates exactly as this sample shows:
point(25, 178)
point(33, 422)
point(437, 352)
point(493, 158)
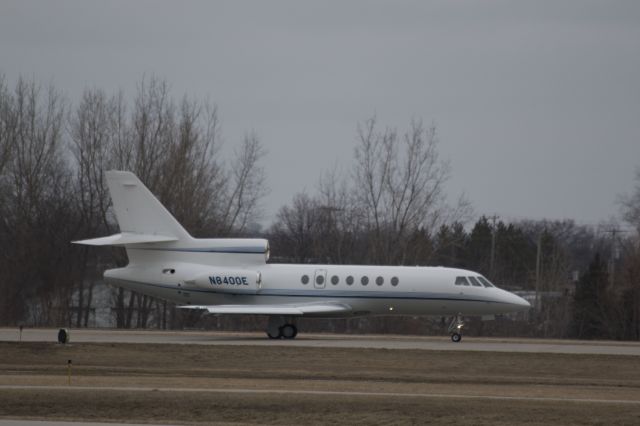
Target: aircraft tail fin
point(141, 217)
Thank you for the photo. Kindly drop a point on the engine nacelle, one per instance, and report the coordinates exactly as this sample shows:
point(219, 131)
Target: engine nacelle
point(225, 280)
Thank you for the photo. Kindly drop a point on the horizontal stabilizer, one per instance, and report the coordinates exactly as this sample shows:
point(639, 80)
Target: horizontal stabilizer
point(284, 309)
point(126, 238)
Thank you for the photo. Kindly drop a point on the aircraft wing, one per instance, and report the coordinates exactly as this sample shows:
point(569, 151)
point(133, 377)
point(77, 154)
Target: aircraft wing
point(328, 308)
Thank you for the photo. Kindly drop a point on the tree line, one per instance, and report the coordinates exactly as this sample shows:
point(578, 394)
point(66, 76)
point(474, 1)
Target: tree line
point(52, 190)
point(391, 207)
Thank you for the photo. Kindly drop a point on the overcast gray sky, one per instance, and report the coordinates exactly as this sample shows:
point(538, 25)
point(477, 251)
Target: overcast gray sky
point(537, 103)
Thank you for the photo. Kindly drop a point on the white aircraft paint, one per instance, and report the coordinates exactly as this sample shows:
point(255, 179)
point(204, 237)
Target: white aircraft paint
point(232, 276)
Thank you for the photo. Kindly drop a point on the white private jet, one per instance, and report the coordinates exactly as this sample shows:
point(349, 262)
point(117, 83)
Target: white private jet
point(232, 276)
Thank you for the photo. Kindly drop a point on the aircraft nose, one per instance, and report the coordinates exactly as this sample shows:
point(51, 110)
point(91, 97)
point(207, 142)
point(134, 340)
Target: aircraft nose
point(512, 302)
point(519, 303)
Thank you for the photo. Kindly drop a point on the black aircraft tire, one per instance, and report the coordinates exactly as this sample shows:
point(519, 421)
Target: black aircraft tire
point(456, 337)
point(279, 335)
point(288, 331)
point(63, 336)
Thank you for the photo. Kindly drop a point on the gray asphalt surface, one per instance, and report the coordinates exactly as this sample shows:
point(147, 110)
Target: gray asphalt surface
point(323, 392)
point(52, 423)
point(328, 340)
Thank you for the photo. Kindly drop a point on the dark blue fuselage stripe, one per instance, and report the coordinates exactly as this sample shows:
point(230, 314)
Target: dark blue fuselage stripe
point(319, 293)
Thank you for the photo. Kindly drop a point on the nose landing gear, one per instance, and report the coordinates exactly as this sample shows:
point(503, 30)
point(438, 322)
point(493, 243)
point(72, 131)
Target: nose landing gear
point(455, 328)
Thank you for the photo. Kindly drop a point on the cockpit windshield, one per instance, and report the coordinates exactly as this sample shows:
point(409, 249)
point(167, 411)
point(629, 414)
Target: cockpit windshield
point(462, 281)
point(485, 282)
point(475, 282)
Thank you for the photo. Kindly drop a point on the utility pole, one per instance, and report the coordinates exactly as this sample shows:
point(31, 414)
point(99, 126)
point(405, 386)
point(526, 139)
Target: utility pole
point(614, 252)
point(538, 270)
point(493, 244)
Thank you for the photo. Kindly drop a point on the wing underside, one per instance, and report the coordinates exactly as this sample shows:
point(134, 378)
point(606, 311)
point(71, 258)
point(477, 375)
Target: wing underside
point(278, 309)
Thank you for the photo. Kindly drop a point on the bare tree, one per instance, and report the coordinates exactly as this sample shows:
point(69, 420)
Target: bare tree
point(174, 151)
point(52, 190)
point(630, 204)
point(37, 217)
point(192, 179)
point(92, 146)
point(5, 150)
point(246, 186)
point(341, 220)
point(374, 156)
point(295, 232)
point(152, 129)
point(400, 183)
point(629, 300)
point(93, 140)
point(385, 211)
point(120, 129)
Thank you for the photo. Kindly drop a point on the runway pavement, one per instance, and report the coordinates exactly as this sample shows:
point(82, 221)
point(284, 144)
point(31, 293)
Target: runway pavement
point(8, 422)
point(241, 391)
point(327, 340)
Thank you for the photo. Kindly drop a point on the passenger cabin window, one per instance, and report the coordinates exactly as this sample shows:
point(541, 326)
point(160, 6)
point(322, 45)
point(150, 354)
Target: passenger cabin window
point(349, 280)
point(304, 279)
point(462, 281)
point(485, 281)
point(394, 281)
point(379, 280)
point(474, 282)
point(320, 280)
point(335, 280)
point(364, 280)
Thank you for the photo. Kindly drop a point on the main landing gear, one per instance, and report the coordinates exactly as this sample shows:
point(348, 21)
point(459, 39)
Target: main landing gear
point(455, 328)
point(281, 328)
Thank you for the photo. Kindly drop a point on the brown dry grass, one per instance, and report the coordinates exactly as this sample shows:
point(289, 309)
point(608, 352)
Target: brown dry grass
point(300, 368)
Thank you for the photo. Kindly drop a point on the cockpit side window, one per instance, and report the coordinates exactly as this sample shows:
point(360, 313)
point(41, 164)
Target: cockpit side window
point(474, 282)
point(485, 281)
point(462, 281)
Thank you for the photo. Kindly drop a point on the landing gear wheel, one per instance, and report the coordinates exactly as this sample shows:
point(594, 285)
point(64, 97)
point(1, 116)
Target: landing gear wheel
point(281, 327)
point(288, 331)
point(271, 336)
point(455, 328)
